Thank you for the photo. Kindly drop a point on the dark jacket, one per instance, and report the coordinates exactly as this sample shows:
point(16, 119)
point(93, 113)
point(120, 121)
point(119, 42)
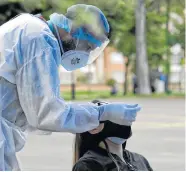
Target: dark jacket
point(99, 160)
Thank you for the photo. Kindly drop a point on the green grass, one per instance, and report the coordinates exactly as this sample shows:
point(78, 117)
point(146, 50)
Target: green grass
point(85, 95)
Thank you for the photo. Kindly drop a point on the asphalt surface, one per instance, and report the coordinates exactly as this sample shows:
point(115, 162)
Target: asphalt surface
point(158, 134)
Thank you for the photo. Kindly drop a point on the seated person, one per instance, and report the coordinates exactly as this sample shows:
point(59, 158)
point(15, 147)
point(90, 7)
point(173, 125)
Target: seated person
point(103, 149)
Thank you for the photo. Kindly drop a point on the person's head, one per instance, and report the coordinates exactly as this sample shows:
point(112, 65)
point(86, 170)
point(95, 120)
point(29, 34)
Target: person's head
point(82, 34)
point(117, 134)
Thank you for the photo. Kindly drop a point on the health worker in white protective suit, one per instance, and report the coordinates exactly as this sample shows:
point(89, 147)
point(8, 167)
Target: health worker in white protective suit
point(31, 50)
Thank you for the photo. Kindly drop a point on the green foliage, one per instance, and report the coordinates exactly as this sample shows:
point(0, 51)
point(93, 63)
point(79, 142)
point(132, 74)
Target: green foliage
point(82, 79)
point(35, 4)
point(95, 94)
point(14, 0)
point(156, 40)
point(179, 36)
point(121, 17)
point(111, 82)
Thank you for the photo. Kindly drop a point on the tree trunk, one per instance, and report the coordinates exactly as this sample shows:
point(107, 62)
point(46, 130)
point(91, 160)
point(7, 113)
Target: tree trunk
point(142, 69)
point(167, 53)
point(73, 86)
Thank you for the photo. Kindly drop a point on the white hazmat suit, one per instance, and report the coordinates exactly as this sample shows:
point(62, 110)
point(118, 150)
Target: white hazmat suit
point(30, 89)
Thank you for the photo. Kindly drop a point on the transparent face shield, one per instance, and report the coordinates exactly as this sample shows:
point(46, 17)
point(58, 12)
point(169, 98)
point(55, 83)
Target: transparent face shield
point(85, 43)
point(94, 54)
point(93, 50)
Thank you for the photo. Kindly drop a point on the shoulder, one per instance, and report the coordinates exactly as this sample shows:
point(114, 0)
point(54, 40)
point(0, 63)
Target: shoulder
point(88, 163)
point(34, 25)
point(139, 158)
point(26, 30)
point(37, 29)
point(134, 155)
point(26, 23)
point(36, 38)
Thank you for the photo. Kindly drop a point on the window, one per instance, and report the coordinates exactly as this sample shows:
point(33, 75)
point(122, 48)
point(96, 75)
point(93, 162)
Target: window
point(116, 58)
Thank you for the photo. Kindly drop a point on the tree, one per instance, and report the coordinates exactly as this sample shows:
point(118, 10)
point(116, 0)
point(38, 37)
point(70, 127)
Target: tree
point(155, 38)
point(121, 17)
point(142, 70)
point(122, 21)
point(169, 13)
point(9, 10)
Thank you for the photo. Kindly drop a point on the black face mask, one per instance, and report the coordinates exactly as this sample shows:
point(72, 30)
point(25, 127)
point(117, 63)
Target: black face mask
point(110, 130)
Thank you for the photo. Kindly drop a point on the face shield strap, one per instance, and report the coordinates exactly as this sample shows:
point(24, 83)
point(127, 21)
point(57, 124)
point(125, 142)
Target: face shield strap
point(59, 40)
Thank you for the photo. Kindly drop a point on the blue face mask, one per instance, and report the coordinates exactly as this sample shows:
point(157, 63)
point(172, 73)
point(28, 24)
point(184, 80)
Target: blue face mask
point(117, 140)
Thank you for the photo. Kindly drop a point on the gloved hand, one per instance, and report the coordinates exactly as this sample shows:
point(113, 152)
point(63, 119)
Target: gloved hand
point(122, 114)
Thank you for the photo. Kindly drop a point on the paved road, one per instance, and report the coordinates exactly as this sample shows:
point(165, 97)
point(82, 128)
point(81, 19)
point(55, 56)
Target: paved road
point(158, 134)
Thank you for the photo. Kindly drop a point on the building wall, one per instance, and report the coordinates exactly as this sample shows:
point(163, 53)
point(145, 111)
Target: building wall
point(65, 76)
point(99, 64)
point(114, 66)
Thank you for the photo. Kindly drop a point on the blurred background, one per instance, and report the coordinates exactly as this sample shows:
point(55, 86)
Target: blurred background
point(144, 63)
point(158, 67)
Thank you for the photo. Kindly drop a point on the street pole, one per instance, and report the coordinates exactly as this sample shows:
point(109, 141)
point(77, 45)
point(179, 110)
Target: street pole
point(125, 67)
point(89, 79)
point(73, 85)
